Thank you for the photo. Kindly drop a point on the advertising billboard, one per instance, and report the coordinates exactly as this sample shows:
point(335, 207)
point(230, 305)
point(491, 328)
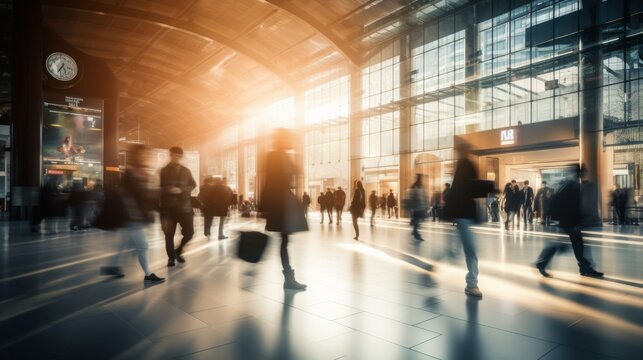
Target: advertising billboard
point(72, 139)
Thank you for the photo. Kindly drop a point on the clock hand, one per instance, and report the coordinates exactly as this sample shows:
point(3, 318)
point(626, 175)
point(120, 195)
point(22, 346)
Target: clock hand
point(61, 67)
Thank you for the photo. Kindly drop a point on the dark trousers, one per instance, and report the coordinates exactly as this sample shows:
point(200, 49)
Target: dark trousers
point(330, 215)
point(285, 259)
point(355, 225)
point(207, 224)
point(339, 211)
point(576, 238)
point(169, 222)
point(526, 211)
point(416, 221)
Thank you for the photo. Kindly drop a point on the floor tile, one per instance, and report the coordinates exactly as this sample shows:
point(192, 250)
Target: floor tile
point(389, 330)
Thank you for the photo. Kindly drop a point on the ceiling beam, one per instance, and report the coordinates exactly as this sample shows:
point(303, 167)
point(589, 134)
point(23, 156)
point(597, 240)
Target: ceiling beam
point(323, 30)
point(178, 25)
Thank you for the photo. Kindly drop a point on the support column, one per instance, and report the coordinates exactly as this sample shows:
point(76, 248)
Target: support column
point(407, 175)
point(591, 111)
point(355, 125)
point(300, 155)
point(26, 108)
point(241, 164)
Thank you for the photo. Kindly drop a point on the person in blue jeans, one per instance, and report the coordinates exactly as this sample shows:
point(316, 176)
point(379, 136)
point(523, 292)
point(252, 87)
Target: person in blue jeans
point(461, 208)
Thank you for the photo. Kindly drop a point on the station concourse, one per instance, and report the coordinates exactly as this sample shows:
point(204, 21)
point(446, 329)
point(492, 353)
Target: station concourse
point(452, 179)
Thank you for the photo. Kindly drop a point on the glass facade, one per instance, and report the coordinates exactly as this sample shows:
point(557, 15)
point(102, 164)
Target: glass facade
point(489, 65)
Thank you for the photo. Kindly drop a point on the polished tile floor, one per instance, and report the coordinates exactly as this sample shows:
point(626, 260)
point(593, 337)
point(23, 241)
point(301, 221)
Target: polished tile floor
point(384, 297)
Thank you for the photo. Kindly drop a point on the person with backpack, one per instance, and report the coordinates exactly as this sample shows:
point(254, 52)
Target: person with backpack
point(565, 207)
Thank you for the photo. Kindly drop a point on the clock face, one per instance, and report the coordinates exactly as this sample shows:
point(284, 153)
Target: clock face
point(61, 66)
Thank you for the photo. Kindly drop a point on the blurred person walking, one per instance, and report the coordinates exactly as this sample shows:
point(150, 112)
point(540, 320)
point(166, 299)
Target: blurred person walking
point(340, 202)
point(541, 204)
point(417, 205)
point(329, 200)
point(566, 207)
point(527, 204)
point(509, 199)
point(321, 201)
point(461, 207)
point(391, 203)
point(283, 212)
point(305, 202)
point(138, 200)
point(383, 204)
point(373, 201)
point(222, 200)
point(358, 204)
point(206, 198)
point(176, 206)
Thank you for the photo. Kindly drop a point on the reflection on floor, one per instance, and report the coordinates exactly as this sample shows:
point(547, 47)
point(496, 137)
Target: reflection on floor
point(384, 297)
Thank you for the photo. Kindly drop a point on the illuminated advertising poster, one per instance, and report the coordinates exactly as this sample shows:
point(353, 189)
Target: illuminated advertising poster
point(72, 139)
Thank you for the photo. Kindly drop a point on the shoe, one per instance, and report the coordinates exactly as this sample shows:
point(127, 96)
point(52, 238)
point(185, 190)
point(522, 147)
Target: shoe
point(474, 291)
point(356, 238)
point(153, 279)
point(222, 237)
point(170, 263)
point(290, 282)
point(179, 257)
point(592, 273)
point(542, 270)
point(114, 271)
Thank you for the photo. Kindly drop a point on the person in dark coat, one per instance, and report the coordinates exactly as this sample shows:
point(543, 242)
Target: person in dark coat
point(527, 205)
point(461, 207)
point(391, 203)
point(283, 212)
point(176, 204)
point(566, 208)
point(383, 204)
point(541, 205)
point(519, 202)
point(221, 201)
point(329, 200)
point(509, 199)
point(321, 201)
point(305, 202)
point(339, 202)
point(373, 200)
point(206, 199)
point(358, 204)
point(418, 206)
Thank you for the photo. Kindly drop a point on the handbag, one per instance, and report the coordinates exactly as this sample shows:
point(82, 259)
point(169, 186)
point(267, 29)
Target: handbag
point(251, 246)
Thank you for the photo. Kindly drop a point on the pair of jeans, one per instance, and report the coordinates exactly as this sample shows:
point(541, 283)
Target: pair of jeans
point(169, 221)
point(469, 248)
point(576, 238)
point(526, 213)
point(133, 235)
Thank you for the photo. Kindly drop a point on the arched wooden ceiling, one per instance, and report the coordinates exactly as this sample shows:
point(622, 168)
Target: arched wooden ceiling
point(205, 60)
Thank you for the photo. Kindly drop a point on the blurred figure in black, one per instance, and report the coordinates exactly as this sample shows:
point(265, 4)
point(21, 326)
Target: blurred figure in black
point(462, 208)
point(373, 200)
point(445, 193)
point(435, 205)
point(321, 201)
point(383, 204)
point(79, 202)
point(358, 204)
point(528, 202)
point(340, 202)
point(176, 206)
point(138, 200)
point(566, 208)
point(329, 200)
point(234, 199)
point(541, 204)
point(418, 206)
point(519, 203)
point(221, 199)
point(206, 199)
point(509, 199)
point(282, 209)
point(620, 204)
point(613, 196)
point(391, 203)
point(52, 206)
point(305, 202)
